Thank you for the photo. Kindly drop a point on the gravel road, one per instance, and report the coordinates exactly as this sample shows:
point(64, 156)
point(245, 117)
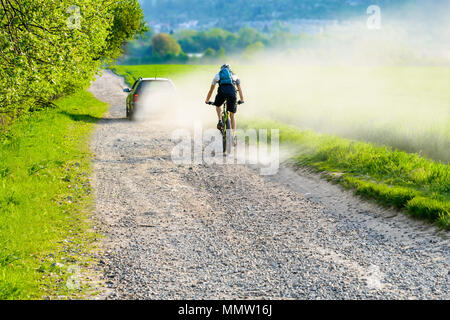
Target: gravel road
point(226, 232)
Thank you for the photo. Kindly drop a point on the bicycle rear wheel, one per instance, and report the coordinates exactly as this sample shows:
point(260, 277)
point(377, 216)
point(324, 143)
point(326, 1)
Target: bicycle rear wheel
point(226, 133)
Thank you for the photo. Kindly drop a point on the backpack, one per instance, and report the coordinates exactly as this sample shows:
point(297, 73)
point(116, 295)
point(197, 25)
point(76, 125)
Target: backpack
point(225, 76)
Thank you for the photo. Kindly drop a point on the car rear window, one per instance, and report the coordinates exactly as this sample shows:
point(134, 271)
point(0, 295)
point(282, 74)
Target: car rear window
point(152, 86)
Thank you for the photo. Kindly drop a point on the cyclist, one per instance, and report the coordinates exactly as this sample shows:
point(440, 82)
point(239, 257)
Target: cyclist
point(227, 81)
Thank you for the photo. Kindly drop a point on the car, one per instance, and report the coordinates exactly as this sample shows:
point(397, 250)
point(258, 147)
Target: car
point(148, 95)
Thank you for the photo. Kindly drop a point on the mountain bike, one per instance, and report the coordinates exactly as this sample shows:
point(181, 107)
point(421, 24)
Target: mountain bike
point(226, 128)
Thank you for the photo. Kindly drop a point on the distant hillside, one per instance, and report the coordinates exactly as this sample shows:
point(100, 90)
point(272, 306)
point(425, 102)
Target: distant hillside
point(231, 14)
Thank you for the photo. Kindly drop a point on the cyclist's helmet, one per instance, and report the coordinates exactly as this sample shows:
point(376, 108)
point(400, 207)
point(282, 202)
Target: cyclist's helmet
point(225, 66)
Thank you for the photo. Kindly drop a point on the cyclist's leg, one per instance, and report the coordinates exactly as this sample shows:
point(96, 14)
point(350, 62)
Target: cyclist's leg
point(233, 122)
point(219, 113)
point(233, 127)
point(218, 102)
point(232, 108)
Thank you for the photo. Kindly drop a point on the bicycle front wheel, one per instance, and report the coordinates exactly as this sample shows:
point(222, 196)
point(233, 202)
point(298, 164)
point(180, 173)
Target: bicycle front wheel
point(226, 136)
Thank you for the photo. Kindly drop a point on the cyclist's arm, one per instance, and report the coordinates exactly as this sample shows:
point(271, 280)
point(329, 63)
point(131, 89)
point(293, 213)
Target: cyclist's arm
point(241, 95)
point(211, 90)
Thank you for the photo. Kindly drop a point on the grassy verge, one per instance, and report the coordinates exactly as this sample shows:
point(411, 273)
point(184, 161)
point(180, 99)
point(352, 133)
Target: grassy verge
point(45, 198)
point(405, 181)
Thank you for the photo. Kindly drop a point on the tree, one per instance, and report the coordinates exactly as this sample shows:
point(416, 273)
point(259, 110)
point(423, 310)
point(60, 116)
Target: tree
point(248, 36)
point(252, 50)
point(51, 48)
point(127, 24)
point(209, 53)
point(165, 46)
point(187, 41)
point(220, 54)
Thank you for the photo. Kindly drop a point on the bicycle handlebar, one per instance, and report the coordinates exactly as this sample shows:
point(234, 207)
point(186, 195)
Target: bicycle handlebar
point(211, 103)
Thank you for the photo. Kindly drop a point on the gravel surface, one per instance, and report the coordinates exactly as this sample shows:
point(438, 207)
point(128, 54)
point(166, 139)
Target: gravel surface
point(225, 231)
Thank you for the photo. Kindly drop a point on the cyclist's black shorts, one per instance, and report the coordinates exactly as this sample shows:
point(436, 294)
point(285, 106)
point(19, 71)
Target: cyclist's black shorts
point(226, 93)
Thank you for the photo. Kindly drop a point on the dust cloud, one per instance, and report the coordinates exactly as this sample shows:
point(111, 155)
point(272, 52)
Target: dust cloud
point(387, 86)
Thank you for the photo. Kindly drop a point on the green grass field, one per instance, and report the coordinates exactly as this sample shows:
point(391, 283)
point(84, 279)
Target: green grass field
point(46, 198)
point(385, 131)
